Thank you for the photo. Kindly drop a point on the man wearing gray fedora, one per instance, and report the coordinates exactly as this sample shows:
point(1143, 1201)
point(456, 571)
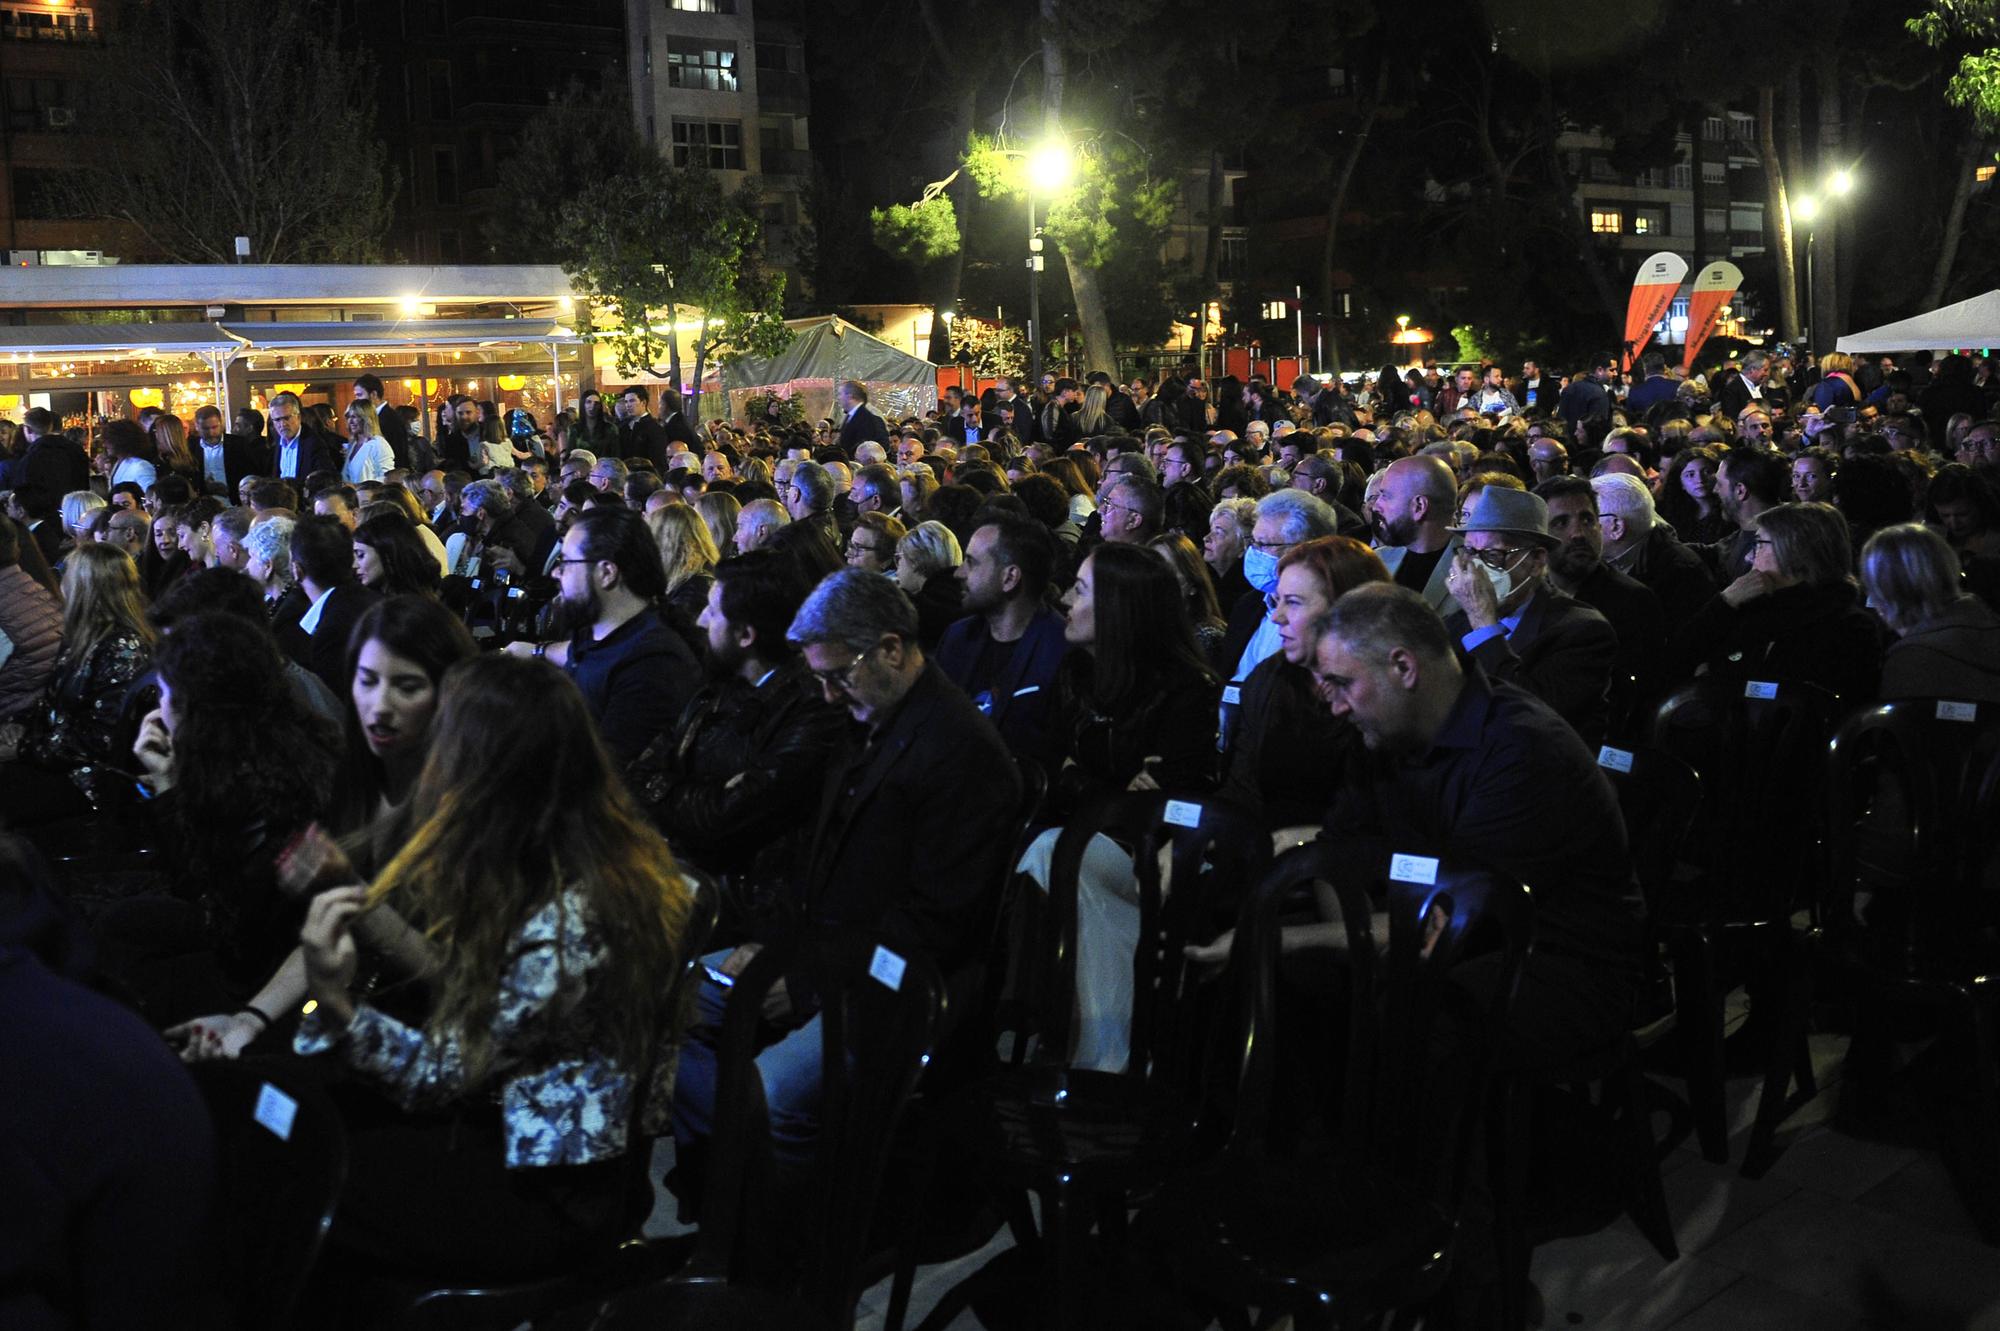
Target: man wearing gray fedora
point(1515, 624)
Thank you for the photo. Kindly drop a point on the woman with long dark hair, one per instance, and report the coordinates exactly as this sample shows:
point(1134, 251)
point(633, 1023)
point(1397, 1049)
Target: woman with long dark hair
point(391, 558)
point(550, 932)
point(63, 760)
point(1686, 495)
point(1136, 710)
point(594, 430)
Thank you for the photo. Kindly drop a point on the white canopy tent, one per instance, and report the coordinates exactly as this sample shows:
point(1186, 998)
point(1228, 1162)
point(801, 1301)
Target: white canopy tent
point(1970, 323)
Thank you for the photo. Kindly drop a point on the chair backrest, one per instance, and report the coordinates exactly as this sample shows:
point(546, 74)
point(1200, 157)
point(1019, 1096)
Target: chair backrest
point(651, 1109)
point(1914, 818)
point(1760, 748)
point(1214, 852)
point(1423, 1027)
point(879, 1015)
point(1659, 796)
point(284, 1161)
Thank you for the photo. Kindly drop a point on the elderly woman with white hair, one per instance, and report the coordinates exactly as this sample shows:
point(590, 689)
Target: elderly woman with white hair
point(1947, 641)
point(927, 558)
point(269, 547)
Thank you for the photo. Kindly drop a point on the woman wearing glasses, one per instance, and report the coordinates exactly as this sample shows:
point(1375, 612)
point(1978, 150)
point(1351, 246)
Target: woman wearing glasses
point(1796, 615)
point(872, 546)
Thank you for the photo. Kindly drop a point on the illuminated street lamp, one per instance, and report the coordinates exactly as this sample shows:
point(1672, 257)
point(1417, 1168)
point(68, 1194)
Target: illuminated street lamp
point(1050, 168)
point(1806, 208)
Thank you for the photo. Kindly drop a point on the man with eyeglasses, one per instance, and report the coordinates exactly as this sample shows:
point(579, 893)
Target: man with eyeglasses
point(809, 499)
point(1128, 507)
point(927, 886)
point(1517, 627)
point(635, 673)
point(875, 491)
point(1182, 460)
point(871, 546)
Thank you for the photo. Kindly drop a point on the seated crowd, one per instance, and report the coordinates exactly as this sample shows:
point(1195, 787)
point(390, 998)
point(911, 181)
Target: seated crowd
point(420, 727)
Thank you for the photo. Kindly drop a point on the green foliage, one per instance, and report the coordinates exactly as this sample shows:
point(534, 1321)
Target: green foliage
point(790, 411)
point(1975, 84)
point(576, 149)
point(990, 349)
point(676, 242)
point(920, 232)
point(1474, 344)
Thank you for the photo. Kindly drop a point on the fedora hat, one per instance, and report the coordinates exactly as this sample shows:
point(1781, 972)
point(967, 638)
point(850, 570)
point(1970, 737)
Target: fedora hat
point(1512, 512)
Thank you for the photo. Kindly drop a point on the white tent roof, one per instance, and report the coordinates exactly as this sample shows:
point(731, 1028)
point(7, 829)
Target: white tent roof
point(1970, 323)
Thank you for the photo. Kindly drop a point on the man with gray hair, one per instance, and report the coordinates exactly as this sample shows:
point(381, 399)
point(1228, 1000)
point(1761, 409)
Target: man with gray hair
point(870, 454)
point(1128, 507)
point(1747, 387)
point(1285, 519)
point(1643, 546)
point(758, 523)
point(928, 887)
point(808, 497)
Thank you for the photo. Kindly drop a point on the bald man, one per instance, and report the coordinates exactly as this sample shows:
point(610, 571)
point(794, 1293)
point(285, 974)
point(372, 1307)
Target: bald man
point(1412, 512)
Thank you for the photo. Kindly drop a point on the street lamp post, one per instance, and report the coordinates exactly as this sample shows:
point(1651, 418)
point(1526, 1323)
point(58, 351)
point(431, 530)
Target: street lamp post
point(1049, 168)
point(1807, 209)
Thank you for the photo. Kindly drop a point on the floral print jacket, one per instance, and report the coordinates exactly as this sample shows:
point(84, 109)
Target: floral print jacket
point(563, 1099)
point(74, 728)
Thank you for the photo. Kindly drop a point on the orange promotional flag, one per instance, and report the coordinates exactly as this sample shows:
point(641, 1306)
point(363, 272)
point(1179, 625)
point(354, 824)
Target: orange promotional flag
point(1652, 292)
point(1713, 291)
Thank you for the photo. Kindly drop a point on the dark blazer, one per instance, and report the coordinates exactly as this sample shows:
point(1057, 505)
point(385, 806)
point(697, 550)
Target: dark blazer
point(1172, 718)
point(1287, 752)
point(530, 533)
point(54, 463)
point(240, 457)
point(1562, 652)
point(927, 883)
point(396, 434)
point(1023, 692)
point(317, 452)
point(677, 428)
point(1675, 574)
point(644, 437)
point(324, 650)
point(863, 425)
point(48, 534)
point(1635, 616)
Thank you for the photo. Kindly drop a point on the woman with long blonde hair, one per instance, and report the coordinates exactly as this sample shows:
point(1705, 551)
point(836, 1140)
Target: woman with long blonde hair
point(688, 553)
point(170, 441)
point(547, 935)
point(64, 759)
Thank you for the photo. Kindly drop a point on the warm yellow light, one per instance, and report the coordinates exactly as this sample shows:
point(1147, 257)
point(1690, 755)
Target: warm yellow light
point(147, 397)
point(512, 383)
point(1050, 167)
point(1805, 208)
point(1402, 321)
point(1840, 182)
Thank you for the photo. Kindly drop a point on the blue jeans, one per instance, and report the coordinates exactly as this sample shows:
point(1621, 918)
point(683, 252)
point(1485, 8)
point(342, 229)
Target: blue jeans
point(789, 1068)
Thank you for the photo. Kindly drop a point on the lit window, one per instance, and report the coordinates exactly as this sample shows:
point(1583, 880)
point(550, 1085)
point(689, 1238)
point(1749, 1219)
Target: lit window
point(701, 65)
point(1644, 224)
point(1986, 173)
point(1606, 221)
point(703, 6)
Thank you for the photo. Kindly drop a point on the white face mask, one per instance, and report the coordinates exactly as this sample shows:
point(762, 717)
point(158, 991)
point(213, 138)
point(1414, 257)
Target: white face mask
point(1501, 578)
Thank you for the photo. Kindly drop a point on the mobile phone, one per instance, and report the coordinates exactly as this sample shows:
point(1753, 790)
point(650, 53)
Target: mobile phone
point(719, 977)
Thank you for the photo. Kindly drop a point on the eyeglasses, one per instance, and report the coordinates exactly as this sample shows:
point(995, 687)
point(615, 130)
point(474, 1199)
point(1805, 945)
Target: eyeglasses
point(863, 548)
point(840, 678)
point(560, 560)
point(1272, 547)
point(1498, 558)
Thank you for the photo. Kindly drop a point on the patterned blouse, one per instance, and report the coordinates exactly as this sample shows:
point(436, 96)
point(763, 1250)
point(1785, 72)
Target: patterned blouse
point(563, 1100)
point(74, 728)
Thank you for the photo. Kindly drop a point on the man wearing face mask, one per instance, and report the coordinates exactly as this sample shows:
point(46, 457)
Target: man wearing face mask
point(1518, 627)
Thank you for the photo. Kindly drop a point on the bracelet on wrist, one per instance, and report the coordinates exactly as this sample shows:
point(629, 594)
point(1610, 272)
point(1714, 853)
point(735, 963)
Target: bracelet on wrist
point(251, 1010)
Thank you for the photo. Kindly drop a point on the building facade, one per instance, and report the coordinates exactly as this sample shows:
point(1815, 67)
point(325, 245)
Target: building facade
point(46, 47)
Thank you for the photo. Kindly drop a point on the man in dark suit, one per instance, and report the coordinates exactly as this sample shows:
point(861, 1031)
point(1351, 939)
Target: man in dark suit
point(1518, 627)
point(1652, 391)
point(1748, 386)
point(859, 421)
point(297, 452)
point(313, 627)
point(1637, 543)
point(927, 885)
point(52, 460)
point(225, 458)
point(1577, 568)
point(639, 432)
point(675, 428)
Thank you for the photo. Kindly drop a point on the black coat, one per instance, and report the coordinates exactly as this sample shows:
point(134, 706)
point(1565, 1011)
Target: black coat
point(1635, 616)
point(1287, 752)
point(317, 452)
point(927, 883)
point(1562, 652)
point(645, 437)
point(1172, 718)
point(860, 427)
point(324, 650)
point(55, 463)
point(677, 428)
point(1675, 574)
point(240, 457)
point(1807, 634)
point(739, 753)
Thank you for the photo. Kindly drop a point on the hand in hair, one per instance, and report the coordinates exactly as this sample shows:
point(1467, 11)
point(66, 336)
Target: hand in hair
point(155, 751)
point(1749, 587)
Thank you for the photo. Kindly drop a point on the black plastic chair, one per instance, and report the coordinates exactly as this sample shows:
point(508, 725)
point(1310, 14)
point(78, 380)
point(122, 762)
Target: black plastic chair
point(1371, 1226)
point(634, 1260)
point(1760, 750)
point(1908, 915)
point(283, 1154)
point(1079, 1139)
point(755, 1265)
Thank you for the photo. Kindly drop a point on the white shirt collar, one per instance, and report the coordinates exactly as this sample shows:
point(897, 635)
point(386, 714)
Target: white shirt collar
point(309, 621)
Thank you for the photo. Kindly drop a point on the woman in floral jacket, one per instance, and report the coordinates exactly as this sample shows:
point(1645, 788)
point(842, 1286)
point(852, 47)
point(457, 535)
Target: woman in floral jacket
point(501, 1080)
point(65, 758)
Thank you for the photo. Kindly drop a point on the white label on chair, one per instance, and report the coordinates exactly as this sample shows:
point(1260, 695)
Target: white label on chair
point(276, 1110)
point(1958, 711)
point(1183, 813)
point(1618, 760)
point(1760, 688)
point(1413, 869)
point(1231, 695)
point(887, 968)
